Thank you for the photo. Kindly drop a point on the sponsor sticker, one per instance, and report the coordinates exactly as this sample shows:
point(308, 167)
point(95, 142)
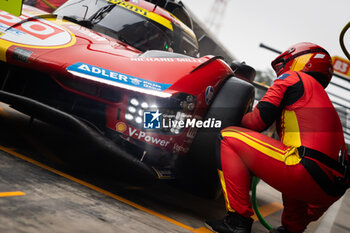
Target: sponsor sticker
point(143, 136)
point(319, 56)
point(121, 127)
point(192, 133)
point(209, 94)
point(180, 149)
point(115, 77)
point(148, 14)
point(22, 55)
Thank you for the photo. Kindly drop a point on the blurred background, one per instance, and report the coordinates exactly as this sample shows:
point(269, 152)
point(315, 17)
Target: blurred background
point(241, 26)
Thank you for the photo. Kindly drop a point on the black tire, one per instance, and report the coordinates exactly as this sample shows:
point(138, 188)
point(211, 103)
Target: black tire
point(198, 169)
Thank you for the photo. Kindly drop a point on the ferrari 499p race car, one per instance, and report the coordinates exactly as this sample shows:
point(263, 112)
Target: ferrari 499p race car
point(127, 75)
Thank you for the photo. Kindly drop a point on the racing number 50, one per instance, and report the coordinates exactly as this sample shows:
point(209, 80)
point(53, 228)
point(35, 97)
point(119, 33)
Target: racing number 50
point(34, 28)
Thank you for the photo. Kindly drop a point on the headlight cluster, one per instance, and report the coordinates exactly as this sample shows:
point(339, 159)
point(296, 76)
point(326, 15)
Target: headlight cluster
point(189, 103)
point(135, 110)
point(180, 116)
point(185, 105)
point(177, 108)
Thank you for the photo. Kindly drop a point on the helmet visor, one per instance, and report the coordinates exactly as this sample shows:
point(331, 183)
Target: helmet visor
point(279, 63)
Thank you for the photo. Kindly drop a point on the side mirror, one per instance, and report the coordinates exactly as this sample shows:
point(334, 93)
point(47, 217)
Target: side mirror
point(243, 71)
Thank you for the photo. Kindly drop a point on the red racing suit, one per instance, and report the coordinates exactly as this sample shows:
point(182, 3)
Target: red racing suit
point(302, 165)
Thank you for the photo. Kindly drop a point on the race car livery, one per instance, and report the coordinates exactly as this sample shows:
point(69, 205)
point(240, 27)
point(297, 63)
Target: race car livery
point(130, 70)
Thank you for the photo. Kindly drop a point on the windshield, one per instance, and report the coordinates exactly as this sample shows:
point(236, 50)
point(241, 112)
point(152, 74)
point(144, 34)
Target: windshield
point(134, 29)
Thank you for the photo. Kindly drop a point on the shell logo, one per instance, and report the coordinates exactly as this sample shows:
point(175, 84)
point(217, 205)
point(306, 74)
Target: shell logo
point(121, 127)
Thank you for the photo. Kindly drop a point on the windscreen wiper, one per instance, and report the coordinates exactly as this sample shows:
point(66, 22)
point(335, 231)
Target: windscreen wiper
point(100, 14)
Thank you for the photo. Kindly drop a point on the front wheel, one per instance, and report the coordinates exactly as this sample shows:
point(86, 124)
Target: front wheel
point(198, 170)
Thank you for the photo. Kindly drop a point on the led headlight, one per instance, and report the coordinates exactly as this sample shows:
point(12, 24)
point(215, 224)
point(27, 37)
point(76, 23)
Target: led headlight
point(135, 109)
point(134, 102)
point(131, 109)
point(177, 108)
point(138, 120)
point(181, 111)
point(129, 117)
point(144, 105)
point(154, 107)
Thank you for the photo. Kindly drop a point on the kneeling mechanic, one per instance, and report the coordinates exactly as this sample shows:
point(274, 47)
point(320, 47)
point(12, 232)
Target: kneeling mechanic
point(309, 165)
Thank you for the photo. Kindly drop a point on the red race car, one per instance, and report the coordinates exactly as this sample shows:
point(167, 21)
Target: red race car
point(128, 76)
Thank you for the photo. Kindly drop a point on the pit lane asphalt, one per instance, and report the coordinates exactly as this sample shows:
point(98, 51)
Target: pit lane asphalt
point(42, 189)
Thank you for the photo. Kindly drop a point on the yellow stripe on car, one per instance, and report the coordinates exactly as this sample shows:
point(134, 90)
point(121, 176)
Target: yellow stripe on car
point(185, 28)
point(3, 49)
point(155, 17)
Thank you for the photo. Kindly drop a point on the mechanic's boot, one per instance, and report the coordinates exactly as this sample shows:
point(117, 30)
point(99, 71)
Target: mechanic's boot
point(280, 229)
point(232, 223)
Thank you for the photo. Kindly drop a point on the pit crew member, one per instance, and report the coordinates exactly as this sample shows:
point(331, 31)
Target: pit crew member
point(309, 163)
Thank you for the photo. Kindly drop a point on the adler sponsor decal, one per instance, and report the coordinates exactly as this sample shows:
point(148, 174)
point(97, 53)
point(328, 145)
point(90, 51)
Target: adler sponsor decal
point(166, 59)
point(102, 74)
